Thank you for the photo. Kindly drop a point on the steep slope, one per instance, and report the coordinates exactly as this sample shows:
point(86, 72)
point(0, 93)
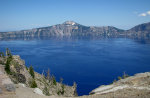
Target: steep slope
point(19, 73)
point(68, 28)
point(140, 31)
point(145, 27)
point(137, 86)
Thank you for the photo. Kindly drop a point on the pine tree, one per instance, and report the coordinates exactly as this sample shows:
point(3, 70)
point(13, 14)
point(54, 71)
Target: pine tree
point(31, 71)
point(7, 66)
point(54, 80)
point(46, 91)
point(9, 59)
point(8, 53)
point(0, 54)
point(33, 84)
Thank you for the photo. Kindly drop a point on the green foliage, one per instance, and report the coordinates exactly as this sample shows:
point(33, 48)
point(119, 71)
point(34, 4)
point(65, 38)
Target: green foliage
point(125, 75)
point(58, 92)
point(7, 65)
point(54, 80)
point(9, 59)
point(46, 91)
point(63, 89)
point(15, 63)
point(33, 84)
point(31, 71)
point(8, 53)
point(119, 78)
point(0, 54)
point(26, 67)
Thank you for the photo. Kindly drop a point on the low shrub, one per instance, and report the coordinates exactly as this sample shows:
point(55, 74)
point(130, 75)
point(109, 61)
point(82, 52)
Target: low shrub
point(33, 84)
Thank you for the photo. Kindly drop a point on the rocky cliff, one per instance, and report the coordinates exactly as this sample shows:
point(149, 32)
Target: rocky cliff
point(73, 29)
point(137, 86)
point(68, 28)
point(140, 31)
point(17, 73)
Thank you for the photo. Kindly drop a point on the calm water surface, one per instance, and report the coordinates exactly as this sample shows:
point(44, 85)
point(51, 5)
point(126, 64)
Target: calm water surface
point(90, 63)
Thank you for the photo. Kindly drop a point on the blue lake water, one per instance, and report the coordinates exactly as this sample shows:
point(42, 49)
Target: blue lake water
point(90, 63)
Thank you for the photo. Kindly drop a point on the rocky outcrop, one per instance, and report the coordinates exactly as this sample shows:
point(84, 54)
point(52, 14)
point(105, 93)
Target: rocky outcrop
point(6, 85)
point(19, 71)
point(132, 87)
point(137, 86)
point(38, 91)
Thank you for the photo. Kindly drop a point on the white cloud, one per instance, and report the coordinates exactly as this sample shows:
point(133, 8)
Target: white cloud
point(148, 12)
point(145, 14)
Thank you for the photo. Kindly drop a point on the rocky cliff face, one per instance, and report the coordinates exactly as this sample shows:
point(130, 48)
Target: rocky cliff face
point(142, 30)
point(72, 29)
point(7, 87)
point(68, 28)
point(19, 73)
point(137, 86)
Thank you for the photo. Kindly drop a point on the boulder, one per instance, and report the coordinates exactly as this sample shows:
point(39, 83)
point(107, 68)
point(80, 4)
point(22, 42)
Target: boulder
point(10, 87)
point(38, 91)
point(21, 84)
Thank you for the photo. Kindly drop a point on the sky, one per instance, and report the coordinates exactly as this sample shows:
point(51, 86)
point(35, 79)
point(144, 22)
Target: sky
point(28, 14)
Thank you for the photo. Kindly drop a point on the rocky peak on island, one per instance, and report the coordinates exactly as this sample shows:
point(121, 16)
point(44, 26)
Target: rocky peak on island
point(70, 23)
point(73, 29)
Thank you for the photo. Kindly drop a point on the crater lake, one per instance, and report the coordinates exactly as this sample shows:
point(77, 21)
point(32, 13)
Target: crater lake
point(88, 62)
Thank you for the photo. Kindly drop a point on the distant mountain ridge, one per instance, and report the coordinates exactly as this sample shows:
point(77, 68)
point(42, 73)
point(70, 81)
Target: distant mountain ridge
point(142, 27)
point(73, 29)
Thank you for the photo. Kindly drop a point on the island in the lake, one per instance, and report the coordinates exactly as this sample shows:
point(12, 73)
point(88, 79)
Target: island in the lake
point(19, 81)
point(73, 29)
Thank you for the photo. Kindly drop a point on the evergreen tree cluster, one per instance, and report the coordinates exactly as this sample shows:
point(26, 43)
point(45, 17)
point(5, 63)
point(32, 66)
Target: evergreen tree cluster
point(9, 58)
point(31, 71)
